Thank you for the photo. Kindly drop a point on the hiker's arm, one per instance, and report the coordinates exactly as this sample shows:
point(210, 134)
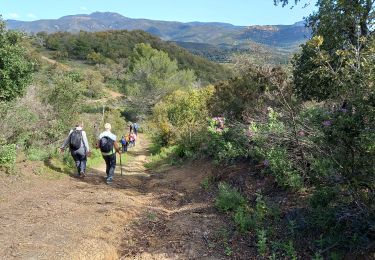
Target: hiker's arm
point(117, 148)
point(85, 141)
point(97, 144)
point(65, 144)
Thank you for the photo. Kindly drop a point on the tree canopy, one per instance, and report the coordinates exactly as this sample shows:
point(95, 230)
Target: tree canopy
point(15, 67)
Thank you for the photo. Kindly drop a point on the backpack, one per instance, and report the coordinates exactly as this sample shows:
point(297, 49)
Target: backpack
point(106, 144)
point(75, 140)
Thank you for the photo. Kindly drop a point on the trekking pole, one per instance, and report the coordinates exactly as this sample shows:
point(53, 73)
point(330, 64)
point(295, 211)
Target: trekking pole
point(121, 163)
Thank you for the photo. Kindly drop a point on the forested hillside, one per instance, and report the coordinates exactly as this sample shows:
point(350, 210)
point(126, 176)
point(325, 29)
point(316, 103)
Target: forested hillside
point(98, 47)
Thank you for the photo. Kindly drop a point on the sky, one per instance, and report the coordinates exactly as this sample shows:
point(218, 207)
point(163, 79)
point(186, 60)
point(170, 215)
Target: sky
point(237, 12)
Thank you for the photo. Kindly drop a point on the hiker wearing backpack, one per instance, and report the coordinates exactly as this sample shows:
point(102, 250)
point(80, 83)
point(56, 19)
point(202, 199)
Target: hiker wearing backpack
point(109, 146)
point(79, 148)
point(135, 128)
point(124, 144)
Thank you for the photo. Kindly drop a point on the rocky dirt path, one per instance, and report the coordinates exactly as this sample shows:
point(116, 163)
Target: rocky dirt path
point(143, 215)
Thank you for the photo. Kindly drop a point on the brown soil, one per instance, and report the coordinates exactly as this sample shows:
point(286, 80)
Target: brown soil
point(142, 215)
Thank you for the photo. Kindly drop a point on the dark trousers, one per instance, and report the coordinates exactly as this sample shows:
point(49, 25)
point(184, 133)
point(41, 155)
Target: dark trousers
point(80, 161)
point(110, 162)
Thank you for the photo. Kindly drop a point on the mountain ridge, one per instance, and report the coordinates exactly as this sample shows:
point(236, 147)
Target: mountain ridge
point(214, 33)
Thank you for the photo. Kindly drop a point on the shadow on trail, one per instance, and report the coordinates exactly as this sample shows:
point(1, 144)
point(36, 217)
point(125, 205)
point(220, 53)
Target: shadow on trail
point(128, 182)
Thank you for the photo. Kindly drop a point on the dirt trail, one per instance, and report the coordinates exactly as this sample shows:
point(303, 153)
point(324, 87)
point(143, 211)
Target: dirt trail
point(142, 215)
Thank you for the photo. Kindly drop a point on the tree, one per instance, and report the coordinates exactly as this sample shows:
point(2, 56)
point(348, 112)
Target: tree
point(65, 96)
point(337, 26)
point(180, 114)
point(243, 97)
point(15, 67)
point(154, 75)
point(340, 22)
point(336, 67)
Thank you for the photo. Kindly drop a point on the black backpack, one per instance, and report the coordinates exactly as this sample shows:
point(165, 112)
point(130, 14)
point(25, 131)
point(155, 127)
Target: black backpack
point(106, 144)
point(75, 140)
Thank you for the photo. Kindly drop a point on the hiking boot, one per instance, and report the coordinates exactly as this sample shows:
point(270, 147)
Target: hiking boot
point(109, 181)
point(83, 174)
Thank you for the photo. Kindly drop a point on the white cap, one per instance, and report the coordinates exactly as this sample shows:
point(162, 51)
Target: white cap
point(107, 126)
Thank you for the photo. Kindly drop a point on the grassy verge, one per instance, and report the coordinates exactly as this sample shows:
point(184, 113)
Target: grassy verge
point(165, 156)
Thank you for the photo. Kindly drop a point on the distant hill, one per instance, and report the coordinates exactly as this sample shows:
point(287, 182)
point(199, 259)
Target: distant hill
point(218, 34)
point(118, 45)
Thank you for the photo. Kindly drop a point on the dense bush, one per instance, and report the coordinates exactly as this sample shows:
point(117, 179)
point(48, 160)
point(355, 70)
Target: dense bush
point(8, 155)
point(181, 117)
point(269, 144)
point(37, 153)
point(226, 145)
point(15, 66)
point(228, 198)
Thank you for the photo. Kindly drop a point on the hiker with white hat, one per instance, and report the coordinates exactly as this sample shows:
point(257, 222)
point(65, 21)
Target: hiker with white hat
point(79, 148)
point(108, 146)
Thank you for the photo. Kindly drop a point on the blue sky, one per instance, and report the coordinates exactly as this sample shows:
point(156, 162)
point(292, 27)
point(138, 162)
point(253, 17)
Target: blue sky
point(238, 12)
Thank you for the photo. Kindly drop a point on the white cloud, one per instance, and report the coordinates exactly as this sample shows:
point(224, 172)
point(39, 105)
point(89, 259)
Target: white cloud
point(13, 15)
point(31, 15)
point(83, 8)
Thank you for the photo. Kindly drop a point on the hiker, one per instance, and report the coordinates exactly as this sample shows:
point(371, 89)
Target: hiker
point(127, 138)
point(124, 144)
point(132, 138)
point(135, 128)
point(109, 146)
point(130, 127)
point(79, 148)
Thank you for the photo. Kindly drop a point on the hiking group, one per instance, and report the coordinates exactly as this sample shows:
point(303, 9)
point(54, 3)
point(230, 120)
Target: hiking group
point(107, 143)
point(128, 140)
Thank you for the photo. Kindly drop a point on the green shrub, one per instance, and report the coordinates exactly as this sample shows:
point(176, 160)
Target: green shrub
point(180, 116)
point(269, 146)
point(260, 209)
point(206, 183)
point(68, 160)
point(37, 154)
point(164, 155)
point(228, 145)
point(243, 219)
point(228, 198)
point(262, 242)
point(15, 66)
point(8, 154)
point(282, 168)
point(289, 250)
